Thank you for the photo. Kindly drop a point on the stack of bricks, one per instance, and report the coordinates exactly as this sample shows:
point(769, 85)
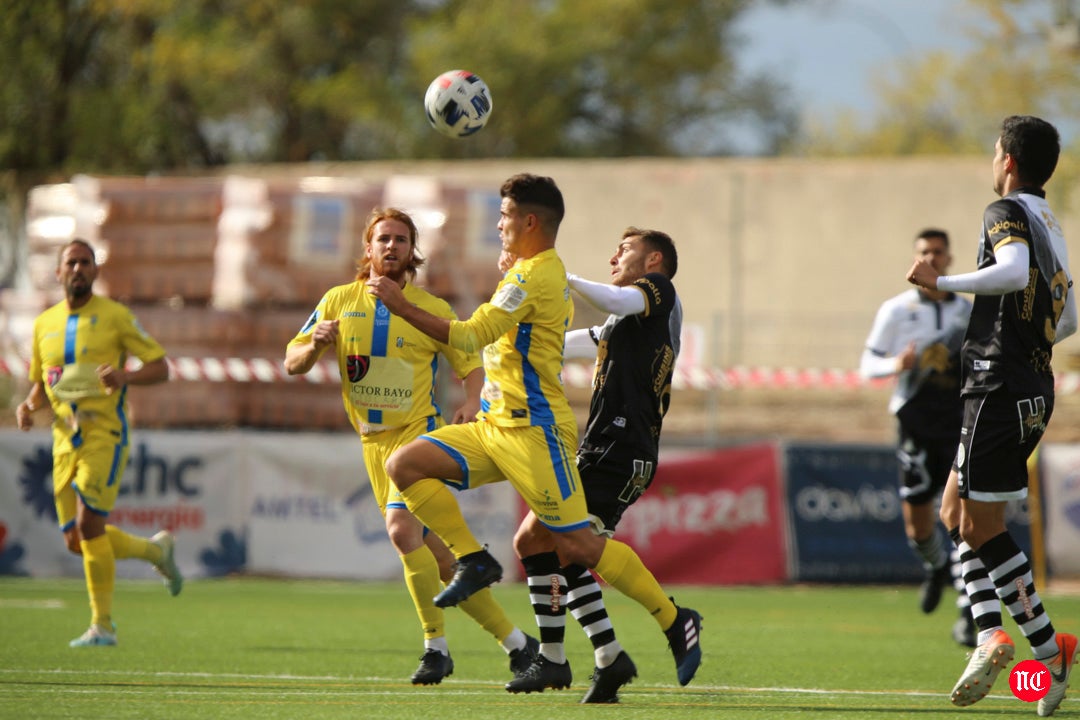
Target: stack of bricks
point(232, 267)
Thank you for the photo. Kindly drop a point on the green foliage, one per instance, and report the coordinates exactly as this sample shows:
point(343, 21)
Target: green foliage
point(165, 85)
point(942, 103)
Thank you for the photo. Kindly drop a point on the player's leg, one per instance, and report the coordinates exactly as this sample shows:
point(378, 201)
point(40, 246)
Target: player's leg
point(159, 551)
point(486, 611)
point(547, 594)
point(419, 566)
point(918, 492)
point(457, 454)
point(93, 475)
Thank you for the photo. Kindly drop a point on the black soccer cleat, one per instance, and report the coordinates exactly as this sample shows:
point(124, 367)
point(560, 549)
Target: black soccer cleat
point(684, 638)
point(521, 660)
point(473, 573)
point(434, 666)
point(607, 681)
point(542, 674)
point(932, 587)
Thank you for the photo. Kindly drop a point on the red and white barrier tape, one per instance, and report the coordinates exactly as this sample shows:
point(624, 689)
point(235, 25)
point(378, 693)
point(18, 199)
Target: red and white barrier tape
point(576, 375)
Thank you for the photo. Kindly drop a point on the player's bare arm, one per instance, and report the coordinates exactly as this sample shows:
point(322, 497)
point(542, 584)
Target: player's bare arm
point(35, 400)
point(299, 359)
point(393, 298)
point(151, 373)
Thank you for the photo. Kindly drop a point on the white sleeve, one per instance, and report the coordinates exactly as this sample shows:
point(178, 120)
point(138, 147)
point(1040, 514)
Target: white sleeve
point(1009, 274)
point(1066, 324)
point(621, 301)
point(879, 356)
point(580, 344)
point(875, 366)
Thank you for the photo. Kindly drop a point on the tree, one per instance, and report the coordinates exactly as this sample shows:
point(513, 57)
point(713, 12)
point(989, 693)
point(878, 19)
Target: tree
point(945, 104)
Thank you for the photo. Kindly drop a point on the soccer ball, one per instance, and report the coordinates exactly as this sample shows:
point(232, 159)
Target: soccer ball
point(457, 103)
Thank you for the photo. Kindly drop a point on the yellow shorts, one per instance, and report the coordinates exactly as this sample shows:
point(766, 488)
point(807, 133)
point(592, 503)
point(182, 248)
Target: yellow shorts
point(538, 460)
point(377, 450)
point(93, 473)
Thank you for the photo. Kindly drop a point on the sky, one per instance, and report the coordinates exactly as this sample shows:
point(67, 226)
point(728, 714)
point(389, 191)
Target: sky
point(827, 50)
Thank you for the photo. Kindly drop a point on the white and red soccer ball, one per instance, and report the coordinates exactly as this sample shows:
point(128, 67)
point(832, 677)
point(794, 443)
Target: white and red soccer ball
point(457, 103)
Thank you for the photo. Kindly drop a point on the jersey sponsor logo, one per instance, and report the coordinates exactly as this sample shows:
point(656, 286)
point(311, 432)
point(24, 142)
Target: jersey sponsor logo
point(650, 288)
point(355, 314)
point(1002, 226)
point(509, 298)
point(357, 366)
point(981, 365)
point(53, 375)
point(519, 414)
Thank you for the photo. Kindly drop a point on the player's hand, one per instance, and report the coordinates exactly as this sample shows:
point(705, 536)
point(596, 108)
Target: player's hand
point(506, 261)
point(907, 358)
point(467, 412)
point(112, 378)
point(923, 274)
point(326, 333)
point(391, 294)
point(24, 417)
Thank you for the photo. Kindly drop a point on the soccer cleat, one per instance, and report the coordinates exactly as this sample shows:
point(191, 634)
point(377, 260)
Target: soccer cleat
point(1060, 666)
point(932, 587)
point(607, 681)
point(683, 637)
point(521, 659)
point(174, 581)
point(542, 674)
point(434, 666)
point(963, 630)
point(984, 664)
point(96, 636)
point(473, 573)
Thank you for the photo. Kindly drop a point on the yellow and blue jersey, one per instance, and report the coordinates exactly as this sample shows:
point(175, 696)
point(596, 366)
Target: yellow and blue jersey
point(68, 347)
point(522, 330)
point(387, 366)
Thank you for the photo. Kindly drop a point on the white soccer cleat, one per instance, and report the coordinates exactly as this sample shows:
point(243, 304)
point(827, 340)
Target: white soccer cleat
point(96, 636)
point(1060, 666)
point(174, 581)
point(984, 664)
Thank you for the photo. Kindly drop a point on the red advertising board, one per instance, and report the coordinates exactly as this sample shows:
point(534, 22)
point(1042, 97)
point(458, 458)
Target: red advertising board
point(712, 517)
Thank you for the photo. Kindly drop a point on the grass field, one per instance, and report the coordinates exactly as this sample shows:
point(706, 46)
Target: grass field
point(256, 648)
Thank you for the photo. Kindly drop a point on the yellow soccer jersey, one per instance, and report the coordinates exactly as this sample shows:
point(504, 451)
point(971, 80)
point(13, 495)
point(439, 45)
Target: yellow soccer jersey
point(387, 366)
point(522, 330)
point(68, 347)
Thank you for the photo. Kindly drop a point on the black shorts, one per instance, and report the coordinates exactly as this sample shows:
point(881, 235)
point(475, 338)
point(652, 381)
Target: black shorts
point(999, 433)
point(924, 466)
point(613, 480)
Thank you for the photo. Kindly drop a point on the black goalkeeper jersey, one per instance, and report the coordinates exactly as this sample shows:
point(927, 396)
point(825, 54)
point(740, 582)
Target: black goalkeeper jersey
point(1009, 340)
point(635, 360)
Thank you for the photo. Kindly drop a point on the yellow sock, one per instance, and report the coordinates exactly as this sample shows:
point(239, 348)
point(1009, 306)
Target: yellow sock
point(422, 579)
point(125, 545)
point(488, 614)
point(621, 568)
point(435, 506)
point(100, 567)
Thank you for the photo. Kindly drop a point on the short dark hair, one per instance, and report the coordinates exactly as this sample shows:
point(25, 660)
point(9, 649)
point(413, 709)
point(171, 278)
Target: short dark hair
point(660, 242)
point(1035, 146)
point(540, 194)
point(928, 233)
point(76, 241)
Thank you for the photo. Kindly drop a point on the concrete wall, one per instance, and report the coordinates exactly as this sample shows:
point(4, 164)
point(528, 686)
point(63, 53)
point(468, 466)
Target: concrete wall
point(782, 262)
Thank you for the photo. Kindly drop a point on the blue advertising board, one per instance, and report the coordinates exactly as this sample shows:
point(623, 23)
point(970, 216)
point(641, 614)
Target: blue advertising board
point(846, 517)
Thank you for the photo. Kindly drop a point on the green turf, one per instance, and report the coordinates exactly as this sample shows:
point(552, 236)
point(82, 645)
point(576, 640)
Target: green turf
point(253, 648)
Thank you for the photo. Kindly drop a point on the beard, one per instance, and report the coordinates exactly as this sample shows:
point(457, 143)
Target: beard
point(78, 290)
